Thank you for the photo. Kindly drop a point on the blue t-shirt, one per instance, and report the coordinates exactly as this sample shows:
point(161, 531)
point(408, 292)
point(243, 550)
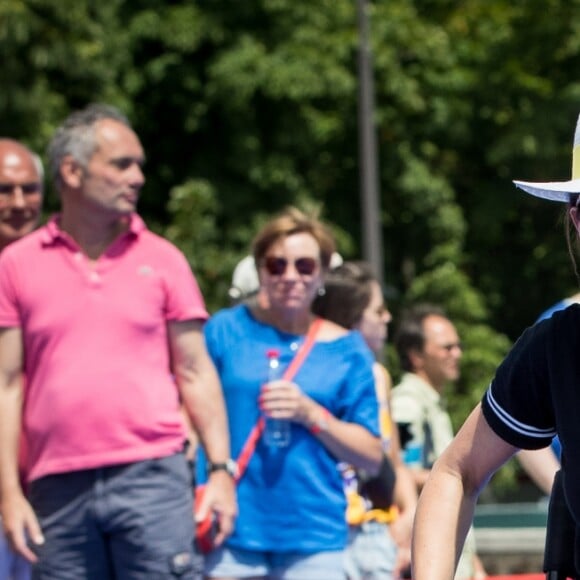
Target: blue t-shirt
point(290, 499)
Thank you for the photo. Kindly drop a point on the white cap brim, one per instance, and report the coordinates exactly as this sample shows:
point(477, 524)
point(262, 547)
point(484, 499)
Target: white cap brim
point(553, 190)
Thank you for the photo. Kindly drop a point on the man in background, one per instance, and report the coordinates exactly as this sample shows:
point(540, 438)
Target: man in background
point(429, 350)
point(21, 193)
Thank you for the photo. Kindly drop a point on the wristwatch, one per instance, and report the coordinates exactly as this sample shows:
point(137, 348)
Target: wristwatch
point(229, 466)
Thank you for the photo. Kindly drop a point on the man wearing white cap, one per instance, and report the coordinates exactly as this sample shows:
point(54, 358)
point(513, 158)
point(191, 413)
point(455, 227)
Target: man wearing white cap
point(534, 396)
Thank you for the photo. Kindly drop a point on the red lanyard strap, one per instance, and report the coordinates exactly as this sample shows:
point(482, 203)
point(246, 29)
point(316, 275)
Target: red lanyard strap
point(252, 440)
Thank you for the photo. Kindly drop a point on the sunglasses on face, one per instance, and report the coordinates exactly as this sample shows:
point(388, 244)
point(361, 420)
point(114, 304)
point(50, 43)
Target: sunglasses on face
point(277, 266)
point(451, 346)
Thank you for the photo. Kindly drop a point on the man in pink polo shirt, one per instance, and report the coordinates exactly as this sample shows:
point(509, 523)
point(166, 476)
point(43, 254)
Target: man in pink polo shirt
point(21, 192)
point(104, 320)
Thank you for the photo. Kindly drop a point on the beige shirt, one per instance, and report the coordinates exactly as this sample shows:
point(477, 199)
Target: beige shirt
point(426, 430)
point(423, 421)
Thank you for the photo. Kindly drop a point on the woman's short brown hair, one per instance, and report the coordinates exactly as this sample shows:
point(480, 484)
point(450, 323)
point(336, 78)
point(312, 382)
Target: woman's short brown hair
point(287, 223)
point(348, 292)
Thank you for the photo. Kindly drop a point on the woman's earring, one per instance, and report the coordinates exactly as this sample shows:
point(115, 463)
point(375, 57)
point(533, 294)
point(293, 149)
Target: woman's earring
point(321, 291)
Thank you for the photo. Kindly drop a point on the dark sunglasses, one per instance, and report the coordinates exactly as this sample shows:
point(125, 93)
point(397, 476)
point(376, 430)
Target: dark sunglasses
point(277, 266)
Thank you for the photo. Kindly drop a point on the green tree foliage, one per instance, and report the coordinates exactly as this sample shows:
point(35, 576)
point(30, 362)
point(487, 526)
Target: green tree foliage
point(58, 55)
point(245, 107)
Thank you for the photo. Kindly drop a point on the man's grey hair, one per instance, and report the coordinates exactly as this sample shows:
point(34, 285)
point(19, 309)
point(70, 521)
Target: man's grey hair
point(77, 137)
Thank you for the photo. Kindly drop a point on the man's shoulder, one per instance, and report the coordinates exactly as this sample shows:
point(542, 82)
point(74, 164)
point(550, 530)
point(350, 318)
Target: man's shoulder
point(149, 238)
point(411, 398)
point(160, 249)
point(407, 399)
point(410, 386)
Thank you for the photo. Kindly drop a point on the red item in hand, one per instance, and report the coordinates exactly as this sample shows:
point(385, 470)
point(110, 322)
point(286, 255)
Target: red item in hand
point(206, 530)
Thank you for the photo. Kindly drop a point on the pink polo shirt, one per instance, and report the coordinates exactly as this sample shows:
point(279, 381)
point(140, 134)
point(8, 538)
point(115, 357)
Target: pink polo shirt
point(99, 389)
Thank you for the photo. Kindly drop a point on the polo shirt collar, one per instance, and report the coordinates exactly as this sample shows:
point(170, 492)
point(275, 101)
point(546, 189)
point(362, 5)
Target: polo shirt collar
point(52, 231)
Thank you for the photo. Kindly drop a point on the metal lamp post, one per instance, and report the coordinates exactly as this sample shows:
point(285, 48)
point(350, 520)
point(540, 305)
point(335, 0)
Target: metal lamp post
point(369, 175)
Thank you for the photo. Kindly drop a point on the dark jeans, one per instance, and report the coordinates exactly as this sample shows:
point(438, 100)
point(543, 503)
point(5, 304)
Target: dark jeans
point(127, 522)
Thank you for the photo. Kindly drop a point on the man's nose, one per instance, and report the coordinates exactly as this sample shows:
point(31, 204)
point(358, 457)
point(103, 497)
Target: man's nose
point(137, 176)
point(17, 197)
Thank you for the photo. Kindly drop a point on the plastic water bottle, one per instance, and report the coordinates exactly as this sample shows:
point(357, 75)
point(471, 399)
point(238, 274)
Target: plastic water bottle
point(276, 431)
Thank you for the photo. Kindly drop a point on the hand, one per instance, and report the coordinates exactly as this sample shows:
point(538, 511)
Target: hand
point(284, 400)
point(401, 528)
point(479, 572)
point(20, 523)
point(219, 498)
point(402, 563)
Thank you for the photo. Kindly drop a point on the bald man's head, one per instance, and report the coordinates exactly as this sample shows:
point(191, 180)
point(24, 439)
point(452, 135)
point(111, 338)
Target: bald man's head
point(21, 190)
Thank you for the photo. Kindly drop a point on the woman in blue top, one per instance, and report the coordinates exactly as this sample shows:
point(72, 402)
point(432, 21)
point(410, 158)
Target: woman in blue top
point(291, 522)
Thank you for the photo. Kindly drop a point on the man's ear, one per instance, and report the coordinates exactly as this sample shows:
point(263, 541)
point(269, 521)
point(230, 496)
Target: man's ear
point(71, 172)
point(416, 358)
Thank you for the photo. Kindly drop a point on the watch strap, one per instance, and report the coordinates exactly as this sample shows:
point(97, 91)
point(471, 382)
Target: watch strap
point(228, 466)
